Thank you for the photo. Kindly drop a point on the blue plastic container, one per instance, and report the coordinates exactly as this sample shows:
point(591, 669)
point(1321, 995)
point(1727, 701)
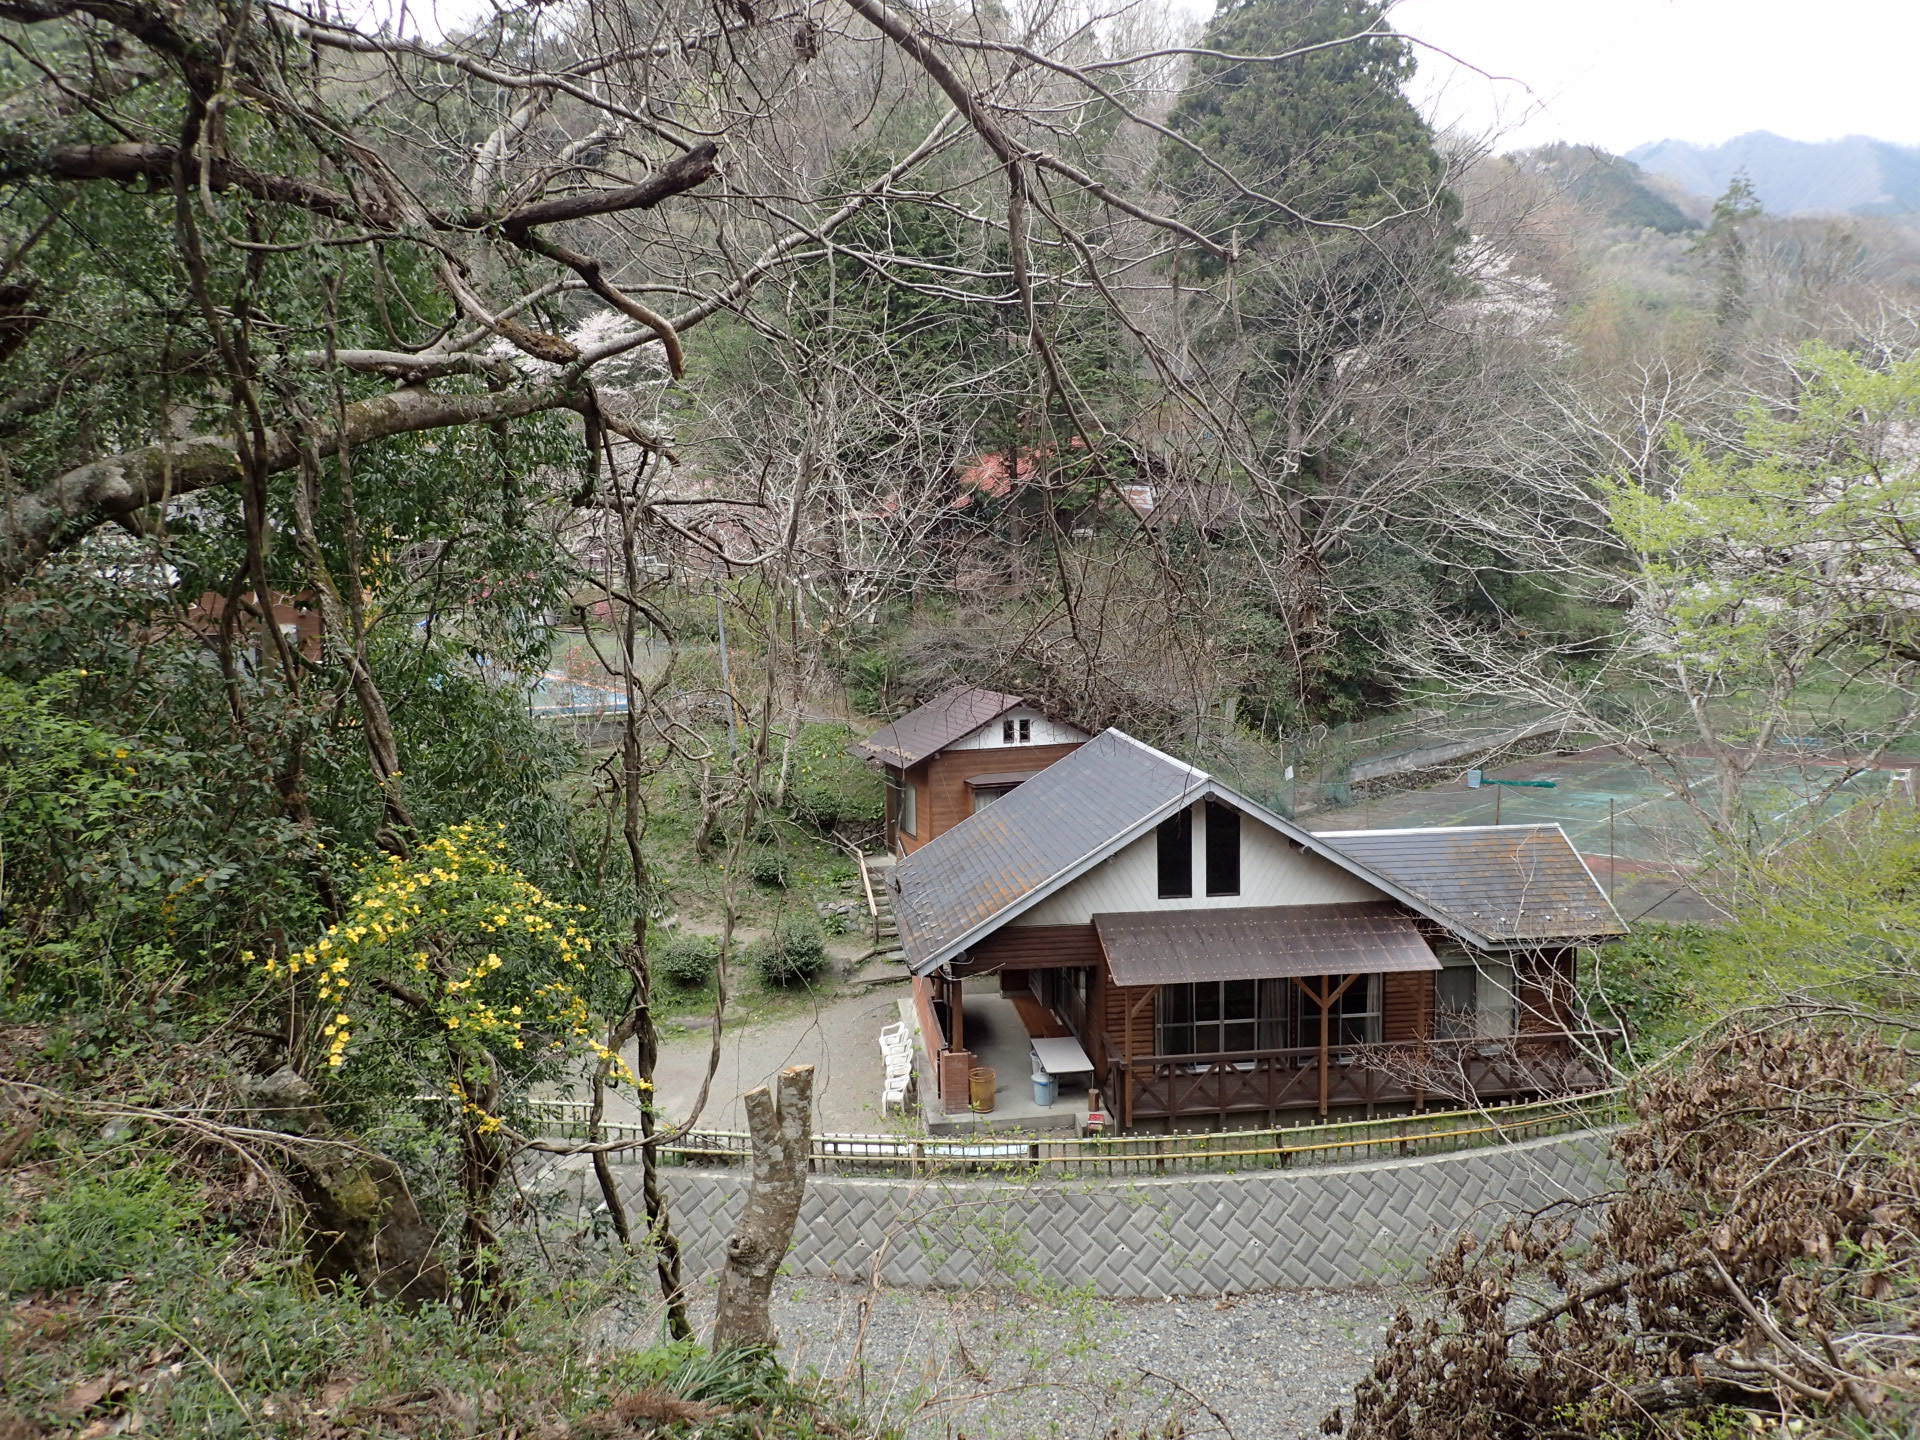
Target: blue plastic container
point(1046, 1089)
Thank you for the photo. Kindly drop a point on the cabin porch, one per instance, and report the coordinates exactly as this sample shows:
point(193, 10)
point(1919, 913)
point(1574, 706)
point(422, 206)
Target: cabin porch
point(1360, 1044)
point(1363, 1080)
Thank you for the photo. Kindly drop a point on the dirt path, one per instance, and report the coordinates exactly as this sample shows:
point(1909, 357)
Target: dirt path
point(838, 1036)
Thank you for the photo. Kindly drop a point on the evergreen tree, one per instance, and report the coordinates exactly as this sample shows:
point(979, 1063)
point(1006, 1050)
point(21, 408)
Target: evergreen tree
point(1725, 246)
point(1328, 133)
point(1328, 184)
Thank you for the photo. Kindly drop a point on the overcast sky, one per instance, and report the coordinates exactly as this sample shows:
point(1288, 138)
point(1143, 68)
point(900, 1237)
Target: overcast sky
point(1618, 73)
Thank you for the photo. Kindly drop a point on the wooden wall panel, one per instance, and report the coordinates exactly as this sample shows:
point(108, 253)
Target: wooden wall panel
point(932, 1037)
point(1032, 947)
point(1129, 1007)
point(1407, 1006)
point(1544, 988)
point(944, 802)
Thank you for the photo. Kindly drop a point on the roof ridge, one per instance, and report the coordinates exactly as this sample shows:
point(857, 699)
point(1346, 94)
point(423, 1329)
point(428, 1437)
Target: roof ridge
point(1445, 829)
point(1156, 752)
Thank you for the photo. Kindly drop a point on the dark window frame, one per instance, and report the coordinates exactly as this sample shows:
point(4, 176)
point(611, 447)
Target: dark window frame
point(1223, 849)
point(1225, 1017)
point(1174, 853)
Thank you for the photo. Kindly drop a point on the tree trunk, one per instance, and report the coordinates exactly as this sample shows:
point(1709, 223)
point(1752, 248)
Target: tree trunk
point(362, 1221)
point(782, 1132)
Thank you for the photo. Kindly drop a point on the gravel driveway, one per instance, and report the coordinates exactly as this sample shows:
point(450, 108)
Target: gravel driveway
point(998, 1366)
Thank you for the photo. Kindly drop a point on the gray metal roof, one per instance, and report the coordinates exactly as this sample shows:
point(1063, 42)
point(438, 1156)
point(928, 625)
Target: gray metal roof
point(1498, 886)
point(1257, 942)
point(1508, 883)
point(1062, 819)
point(935, 725)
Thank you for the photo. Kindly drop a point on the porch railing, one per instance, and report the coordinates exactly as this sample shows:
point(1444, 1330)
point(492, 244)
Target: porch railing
point(1012, 1155)
point(1419, 1073)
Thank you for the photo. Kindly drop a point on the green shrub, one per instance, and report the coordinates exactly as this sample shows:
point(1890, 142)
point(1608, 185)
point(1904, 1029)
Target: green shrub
point(767, 867)
point(103, 1227)
point(687, 960)
point(828, 786)
point(795, 954)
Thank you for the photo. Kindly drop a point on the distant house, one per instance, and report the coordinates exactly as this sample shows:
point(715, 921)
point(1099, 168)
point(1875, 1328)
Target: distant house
point(1207, 957)
point(957, 754)
point(296, 616)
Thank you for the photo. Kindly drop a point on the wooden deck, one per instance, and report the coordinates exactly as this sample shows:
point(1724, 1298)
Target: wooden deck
point(1041, 1023)
point(1356, 1077)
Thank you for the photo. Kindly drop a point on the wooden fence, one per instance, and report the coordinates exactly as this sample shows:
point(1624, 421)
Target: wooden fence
point(1100, 1157)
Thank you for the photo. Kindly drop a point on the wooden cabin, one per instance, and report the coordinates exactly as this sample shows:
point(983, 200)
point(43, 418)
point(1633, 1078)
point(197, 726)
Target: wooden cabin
point(1208, 957)
point(957, 754)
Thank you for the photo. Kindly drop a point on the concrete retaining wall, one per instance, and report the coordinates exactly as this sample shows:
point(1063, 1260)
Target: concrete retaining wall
point(1332, 1227)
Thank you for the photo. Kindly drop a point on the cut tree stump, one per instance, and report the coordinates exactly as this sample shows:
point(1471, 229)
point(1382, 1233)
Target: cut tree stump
point(781, 1133)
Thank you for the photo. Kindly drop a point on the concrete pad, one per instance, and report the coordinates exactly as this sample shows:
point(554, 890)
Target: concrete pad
point(839, 1037)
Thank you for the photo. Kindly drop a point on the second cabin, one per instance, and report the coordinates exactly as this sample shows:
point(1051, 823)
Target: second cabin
point(956, 755)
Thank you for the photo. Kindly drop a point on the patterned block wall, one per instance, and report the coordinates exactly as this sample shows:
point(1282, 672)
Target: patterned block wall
point(1331, 1227)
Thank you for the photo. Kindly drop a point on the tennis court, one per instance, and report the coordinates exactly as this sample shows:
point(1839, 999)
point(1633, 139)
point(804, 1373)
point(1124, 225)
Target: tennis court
point(1610, 806)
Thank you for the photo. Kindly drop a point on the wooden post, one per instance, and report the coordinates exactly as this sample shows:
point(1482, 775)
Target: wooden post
point(957, 1040)
point(1324, 997)
point(782, 1132)
point(1127, 1047)
point(1326, 1010)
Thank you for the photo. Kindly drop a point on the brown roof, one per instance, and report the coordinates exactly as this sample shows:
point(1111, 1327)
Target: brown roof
point(936, 725)
point(1508, 883)
point(1261, 942)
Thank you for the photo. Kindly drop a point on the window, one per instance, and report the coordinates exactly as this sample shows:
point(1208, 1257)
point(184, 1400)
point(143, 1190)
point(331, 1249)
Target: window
point(985, 795)
point(1223, 849)
point(1224, 1016)
point(1065, 993)
point(1354, 1019)
point(1016, 732)
point(1473, 998)
point(1454, 997)
point(909, 808)
point(1176, 856)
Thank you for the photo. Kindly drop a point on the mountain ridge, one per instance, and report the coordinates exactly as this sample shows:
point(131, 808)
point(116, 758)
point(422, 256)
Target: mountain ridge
point(1853, 175)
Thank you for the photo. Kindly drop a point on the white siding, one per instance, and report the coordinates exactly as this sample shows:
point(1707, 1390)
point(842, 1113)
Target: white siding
point(1040, 731)
point(1272, 872)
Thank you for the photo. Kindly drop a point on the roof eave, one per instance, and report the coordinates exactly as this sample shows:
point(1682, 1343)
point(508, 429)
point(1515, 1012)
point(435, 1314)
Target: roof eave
point(1208, 787)
point(1060, 878)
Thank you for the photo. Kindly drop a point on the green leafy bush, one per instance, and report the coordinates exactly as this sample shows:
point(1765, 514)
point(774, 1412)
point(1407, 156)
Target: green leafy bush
point(795, 954)
point(767, 867)
point(687, 960)
point(828, 787)
point(102, 1227)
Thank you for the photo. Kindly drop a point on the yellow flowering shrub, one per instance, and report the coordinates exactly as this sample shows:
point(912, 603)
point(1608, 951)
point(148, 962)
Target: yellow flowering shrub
point(458, 938)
